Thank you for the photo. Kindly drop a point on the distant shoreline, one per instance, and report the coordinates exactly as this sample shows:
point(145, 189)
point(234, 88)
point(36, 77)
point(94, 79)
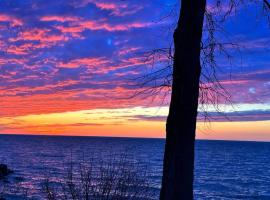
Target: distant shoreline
point(119, 137)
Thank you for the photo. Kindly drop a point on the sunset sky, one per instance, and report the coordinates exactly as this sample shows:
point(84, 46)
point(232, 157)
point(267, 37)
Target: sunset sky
point(70, 67)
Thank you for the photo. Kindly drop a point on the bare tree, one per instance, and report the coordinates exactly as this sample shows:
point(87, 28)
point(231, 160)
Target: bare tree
point(177, 180)
point(190, 76)
point(187, 76)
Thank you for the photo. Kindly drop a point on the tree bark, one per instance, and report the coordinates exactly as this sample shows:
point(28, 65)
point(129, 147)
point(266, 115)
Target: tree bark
point(178, 166)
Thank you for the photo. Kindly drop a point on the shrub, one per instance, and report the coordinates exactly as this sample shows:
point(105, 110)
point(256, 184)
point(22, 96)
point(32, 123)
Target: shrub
point(116, 179)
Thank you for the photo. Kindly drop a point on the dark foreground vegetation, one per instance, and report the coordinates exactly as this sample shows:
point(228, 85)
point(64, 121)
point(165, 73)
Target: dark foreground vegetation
point(117, 179)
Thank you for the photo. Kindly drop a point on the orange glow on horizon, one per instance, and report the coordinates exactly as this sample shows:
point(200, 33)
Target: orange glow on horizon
point(126, 123)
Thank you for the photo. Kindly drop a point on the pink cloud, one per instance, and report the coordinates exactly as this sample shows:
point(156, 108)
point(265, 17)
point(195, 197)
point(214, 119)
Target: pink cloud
point(62, 101)
point(12, 20)
point(21, 49)
point(126, 51)
point(116, 9)
point(87, 62)
point(59, 18)
point(79, 26)
point(39, 35)
point(109, 6)
point(19, 61)
point(93, 25)
point(45, 38)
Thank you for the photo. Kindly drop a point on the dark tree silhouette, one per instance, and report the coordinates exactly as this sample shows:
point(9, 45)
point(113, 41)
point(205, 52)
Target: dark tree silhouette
point(189, 74)
point(177, 181)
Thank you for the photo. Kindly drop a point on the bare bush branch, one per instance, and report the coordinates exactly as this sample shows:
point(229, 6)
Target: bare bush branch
point(118, 178)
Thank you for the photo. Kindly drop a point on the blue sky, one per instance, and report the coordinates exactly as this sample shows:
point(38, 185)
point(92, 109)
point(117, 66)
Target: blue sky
point(68, 56)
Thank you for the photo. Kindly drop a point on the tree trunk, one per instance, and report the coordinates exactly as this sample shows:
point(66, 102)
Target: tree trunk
point(177, 181)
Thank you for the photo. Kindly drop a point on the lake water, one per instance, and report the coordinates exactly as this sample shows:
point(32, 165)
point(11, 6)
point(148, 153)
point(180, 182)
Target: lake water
point(224, 169)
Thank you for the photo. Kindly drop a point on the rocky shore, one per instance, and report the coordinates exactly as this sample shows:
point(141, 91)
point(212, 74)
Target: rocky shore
point(4, 171)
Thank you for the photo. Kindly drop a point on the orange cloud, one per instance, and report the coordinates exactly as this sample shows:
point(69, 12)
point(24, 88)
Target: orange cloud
point(118, 122)
point(97, 121)
point(57, 100)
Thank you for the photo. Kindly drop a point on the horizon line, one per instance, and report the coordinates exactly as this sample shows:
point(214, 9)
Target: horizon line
point(125, 137)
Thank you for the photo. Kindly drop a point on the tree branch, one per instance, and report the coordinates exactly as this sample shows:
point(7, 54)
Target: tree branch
point(267, 4)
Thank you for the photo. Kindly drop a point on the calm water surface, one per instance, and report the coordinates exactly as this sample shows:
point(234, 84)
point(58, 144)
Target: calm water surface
point(224, 170)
